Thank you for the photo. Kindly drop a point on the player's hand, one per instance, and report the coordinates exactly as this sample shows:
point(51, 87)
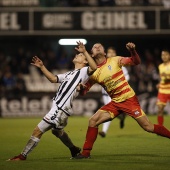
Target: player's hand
point(80, 48)
point(80, 87)
point(37, 62)
point(130, 46)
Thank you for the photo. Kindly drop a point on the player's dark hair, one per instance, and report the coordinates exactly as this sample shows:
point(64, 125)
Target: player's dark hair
point(166, 50)
point(111, 48)
point(97, 43)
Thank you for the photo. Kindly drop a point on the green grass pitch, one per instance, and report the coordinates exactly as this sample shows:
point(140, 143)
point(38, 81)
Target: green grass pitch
point(130, 148)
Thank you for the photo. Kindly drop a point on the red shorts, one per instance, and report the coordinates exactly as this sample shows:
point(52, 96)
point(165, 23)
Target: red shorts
point(163, 98)
point(130, 106)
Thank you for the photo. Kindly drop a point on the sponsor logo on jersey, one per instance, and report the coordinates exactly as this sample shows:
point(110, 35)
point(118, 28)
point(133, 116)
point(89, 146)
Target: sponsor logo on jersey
point(136, 112)
point(109, 67)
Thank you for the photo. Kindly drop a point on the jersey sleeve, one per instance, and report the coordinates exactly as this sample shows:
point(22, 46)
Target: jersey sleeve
point(133, 60)
point(60, 77)
point(84, 74)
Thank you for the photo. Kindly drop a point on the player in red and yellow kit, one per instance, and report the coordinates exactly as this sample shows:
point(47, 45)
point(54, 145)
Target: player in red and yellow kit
point(110, 76)
point(164, 85)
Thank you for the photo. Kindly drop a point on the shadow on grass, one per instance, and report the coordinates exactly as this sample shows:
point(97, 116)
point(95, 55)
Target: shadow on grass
point(121, 157)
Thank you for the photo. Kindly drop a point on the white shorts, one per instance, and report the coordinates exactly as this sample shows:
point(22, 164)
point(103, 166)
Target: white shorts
point(55, 118)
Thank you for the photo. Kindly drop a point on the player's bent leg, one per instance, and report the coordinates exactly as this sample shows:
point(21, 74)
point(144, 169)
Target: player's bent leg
point(63, 136)
point(99, 117)
point(31, 144)
point(33, 141)
point(145, 123)
point(153, 128)
point(160, 117)
point(92, 132)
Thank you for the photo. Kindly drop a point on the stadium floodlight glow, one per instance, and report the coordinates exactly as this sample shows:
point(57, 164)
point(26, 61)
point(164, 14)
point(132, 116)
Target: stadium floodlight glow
point(71, 41)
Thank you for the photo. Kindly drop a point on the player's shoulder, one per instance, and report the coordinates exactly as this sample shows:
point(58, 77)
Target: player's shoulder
point(116, 58)
point(161, 65)
point(84, 68)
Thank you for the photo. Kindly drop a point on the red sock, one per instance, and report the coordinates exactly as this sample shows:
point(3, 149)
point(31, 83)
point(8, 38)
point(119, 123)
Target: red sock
point(91, 136)
point(160, 120)
point(161, 130)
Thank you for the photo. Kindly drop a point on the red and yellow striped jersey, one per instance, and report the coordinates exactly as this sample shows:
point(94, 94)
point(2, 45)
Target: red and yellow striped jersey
point(110, 76)
point(164, 72)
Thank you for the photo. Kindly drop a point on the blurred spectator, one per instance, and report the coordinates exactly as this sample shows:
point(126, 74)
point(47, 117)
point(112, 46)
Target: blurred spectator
point(8, 83)
point(3, 61)
point(1, 85)
point(62, 60)
point(52, 59)
point(20, 86)
point(14, 63)
point(24, 66)
point(20, 54)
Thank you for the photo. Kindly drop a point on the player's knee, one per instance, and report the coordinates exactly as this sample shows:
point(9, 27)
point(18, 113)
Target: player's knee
point(160, 109)
point(37, 132)
point(92, 122)
point(148, 128)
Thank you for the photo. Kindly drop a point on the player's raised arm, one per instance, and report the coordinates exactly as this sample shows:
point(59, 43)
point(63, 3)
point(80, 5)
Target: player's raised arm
point(92, 65)
point(38, 63)
point(134, 59)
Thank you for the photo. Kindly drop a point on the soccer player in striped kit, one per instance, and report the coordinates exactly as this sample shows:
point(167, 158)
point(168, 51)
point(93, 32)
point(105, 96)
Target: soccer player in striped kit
point(110, 76)
point(164, 85)
point(56, 118)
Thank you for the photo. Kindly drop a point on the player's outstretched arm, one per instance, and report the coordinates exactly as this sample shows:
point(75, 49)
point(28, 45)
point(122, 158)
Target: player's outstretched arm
point(38, 63)
point(134, 55)
point(133, 60)
point(92, 65)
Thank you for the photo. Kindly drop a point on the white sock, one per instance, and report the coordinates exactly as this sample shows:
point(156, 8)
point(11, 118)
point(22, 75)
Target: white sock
point(32, 143)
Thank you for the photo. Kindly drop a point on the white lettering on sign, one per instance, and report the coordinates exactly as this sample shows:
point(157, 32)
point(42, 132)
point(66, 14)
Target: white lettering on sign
point(39, 107)
point(25, 105)
point(9, 21)
point(57, 21)
point(80, 106)
point(113, 20)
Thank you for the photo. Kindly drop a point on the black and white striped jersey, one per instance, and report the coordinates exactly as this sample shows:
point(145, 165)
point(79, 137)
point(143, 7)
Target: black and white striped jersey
point(67, 89)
